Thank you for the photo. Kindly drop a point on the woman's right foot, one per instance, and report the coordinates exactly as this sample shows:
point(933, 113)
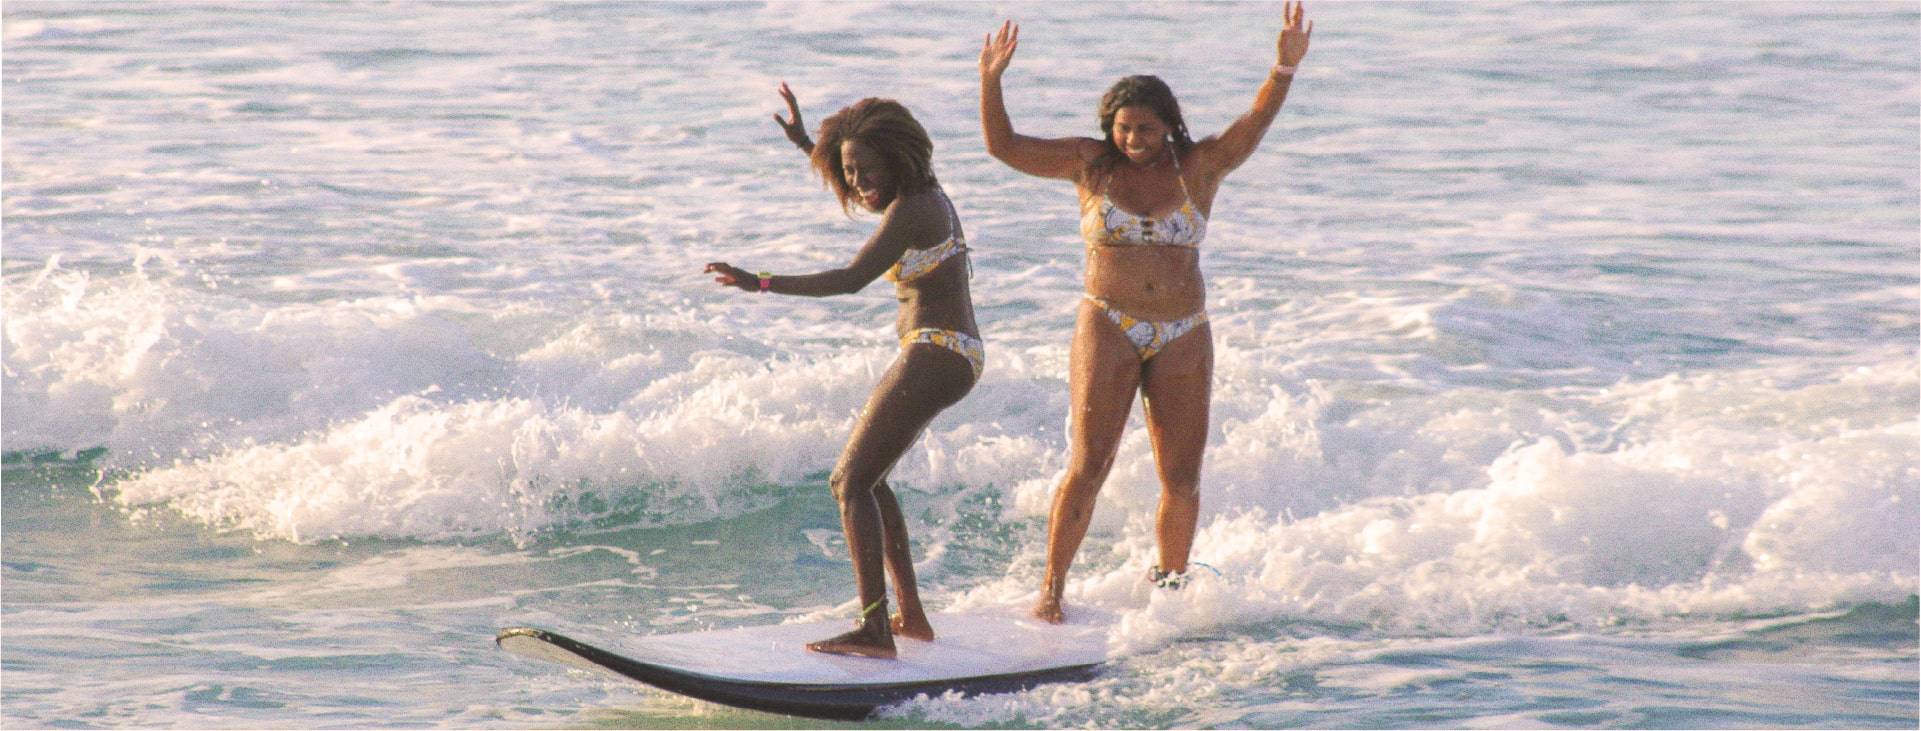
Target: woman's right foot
point(1048, 610)
point(1173, 580)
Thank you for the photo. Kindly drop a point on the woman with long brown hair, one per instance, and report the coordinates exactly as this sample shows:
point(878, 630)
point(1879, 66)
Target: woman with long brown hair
point(874, 154)
point(1146, 191)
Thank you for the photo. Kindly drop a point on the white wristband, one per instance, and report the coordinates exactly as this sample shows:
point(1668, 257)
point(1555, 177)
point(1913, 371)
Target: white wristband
point(1284, 70)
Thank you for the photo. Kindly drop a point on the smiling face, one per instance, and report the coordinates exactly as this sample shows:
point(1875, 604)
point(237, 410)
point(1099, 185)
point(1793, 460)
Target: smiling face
point(1140, 134)
point(1141, 122)
point(867, 175)
point(872, 152)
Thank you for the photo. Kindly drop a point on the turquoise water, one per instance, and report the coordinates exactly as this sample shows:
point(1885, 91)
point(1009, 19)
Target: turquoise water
point(1567, 361)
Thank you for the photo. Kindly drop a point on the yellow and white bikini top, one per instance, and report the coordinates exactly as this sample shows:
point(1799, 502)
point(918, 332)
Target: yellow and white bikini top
point(1105, 224)
point(915, 263)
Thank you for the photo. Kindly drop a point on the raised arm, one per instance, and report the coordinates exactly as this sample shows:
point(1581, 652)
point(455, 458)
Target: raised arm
point(908, 220)
point(1048, 158)
point(1225, 152)
point(796, 130)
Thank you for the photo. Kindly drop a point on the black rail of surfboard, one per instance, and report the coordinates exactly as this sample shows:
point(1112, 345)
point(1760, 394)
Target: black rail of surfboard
point(839, 702)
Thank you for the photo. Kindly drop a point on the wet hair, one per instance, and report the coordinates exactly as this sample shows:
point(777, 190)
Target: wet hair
point(885, 127)
point(1139, 91)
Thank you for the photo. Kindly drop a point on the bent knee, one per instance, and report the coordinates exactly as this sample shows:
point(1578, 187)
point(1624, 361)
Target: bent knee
point(846, 485)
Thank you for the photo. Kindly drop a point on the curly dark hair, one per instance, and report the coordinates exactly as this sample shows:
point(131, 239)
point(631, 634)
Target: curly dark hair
point(1139, 91)
point(885, 126)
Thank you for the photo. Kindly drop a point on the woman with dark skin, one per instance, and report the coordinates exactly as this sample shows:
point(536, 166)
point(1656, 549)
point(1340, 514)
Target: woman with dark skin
point(876, 155)
point(1146, 191)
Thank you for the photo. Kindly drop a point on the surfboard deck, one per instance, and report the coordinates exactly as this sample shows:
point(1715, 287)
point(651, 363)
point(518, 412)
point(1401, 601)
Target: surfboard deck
point(768, 668)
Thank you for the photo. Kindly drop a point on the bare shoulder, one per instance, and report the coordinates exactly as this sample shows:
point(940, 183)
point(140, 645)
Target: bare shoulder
point(1207, 159)
point(1206, 144)
point(929, 204)
point(921, 215)
point(1089, 149)
point(1087, 152)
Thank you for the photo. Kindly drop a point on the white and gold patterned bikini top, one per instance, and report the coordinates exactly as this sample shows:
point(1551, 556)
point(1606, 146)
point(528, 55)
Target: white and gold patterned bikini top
point(915, 263)
point(1105, 224)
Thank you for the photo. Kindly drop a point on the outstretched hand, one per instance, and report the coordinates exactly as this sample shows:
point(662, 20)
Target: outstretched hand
point(997, 50)
point(733, 276)
point(795, 129)
point(1292, 45)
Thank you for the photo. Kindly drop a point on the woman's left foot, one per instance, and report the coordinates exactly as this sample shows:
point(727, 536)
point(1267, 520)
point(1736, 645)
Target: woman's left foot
point(860, 643)
point(916, 630)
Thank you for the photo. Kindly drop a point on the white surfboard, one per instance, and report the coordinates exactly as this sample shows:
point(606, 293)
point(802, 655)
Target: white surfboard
point(769, 668)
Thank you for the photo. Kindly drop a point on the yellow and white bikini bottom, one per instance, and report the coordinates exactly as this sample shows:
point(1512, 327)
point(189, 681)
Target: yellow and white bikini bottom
point(1149, 336)
point(967, 346)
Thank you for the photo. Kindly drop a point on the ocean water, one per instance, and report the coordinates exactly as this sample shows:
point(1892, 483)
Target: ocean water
point(1566, 361)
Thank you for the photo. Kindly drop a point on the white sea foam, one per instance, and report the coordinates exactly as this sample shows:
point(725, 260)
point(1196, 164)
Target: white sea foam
point(1585, 504)
point(1699, 508)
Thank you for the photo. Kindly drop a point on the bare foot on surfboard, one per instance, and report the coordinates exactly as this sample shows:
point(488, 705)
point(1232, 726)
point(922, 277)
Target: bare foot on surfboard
point(859, 642)
point(1048, 610)
point(917, 630)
